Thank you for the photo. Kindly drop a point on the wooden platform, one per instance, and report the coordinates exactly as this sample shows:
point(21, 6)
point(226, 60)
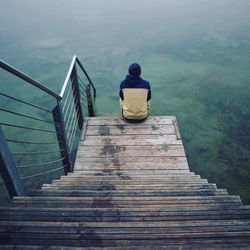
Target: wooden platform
point(131, 189)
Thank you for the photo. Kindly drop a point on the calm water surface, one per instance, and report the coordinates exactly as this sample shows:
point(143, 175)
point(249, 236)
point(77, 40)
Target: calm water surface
point(195, 53)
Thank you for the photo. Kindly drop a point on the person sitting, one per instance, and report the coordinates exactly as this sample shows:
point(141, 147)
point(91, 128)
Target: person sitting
point(135, 95)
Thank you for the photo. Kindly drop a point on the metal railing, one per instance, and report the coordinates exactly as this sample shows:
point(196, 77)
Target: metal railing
point(39, 129)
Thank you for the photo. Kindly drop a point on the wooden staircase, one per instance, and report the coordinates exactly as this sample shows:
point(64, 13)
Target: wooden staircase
point(131, 189)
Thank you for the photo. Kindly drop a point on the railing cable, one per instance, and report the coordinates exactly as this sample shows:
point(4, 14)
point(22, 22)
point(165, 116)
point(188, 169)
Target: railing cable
point(29, 142)
point(70, 103)
point(26, 116)
point(86, 74)
point(71, 141)
point(85, 85)
point(85, 101)
point(40, 164)
point(43, 173)
point(84, 95)
point(65, 100)
point(29, 128)
point(27, 103)
point(38, 153)
point(72, 121)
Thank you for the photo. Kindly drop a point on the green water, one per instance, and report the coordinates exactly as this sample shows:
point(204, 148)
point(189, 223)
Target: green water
point(195, 53)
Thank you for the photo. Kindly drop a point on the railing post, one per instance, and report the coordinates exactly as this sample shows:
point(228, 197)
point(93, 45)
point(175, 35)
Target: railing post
point(62, 138)
point(76, 93)
point(90, 103)
point(8, 169)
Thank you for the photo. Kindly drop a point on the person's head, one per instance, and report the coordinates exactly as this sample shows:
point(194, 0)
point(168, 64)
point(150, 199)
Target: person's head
point(134, 69)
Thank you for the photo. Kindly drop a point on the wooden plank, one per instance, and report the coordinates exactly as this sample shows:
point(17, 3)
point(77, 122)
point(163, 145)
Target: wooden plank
point(132, 186)
point(130, 151)
point(166, 225)
point(133, 178)
point(122, 228)
point(126, 190)
point(99, 203)
point(131, 140)
point(132, 193)
point(144, 188)
point(133, 162)
point(113, 164)
point(129, 171)
point(153, 217)
point(75, 211)
point(130, 180)
point(151, 120)
point(125, 200)
point(123, 181)
point(131, 130)
point(129, 233)
point(177, 174)
point(147, 245)
point(159, 243)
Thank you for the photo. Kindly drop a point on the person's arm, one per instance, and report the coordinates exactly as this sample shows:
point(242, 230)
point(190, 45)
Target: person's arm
point(149, 95)
point(121, 94)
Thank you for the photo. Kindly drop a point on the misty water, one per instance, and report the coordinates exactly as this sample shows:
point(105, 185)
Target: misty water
point(195, 53)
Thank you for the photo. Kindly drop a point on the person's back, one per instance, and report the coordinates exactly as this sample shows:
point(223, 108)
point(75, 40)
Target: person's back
point(135, 94)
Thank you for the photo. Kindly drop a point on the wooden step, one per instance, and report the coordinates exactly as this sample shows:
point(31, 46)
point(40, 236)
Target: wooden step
point(129, 171)
point(135, 200)
point(166, 186)
point(130, 151)
point(131, 189)
point(148, 160)
point(112, 193)
point(85, 215)
point(131, 140)
point(131, 129)
point(113, 121)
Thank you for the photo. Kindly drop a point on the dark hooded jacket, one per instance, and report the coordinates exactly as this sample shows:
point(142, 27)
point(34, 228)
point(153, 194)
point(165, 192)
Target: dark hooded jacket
point(135, 94)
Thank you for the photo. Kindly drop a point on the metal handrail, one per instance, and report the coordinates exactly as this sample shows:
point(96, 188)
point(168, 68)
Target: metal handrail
point(67, 77)
point(28, 79)
point(73, 94)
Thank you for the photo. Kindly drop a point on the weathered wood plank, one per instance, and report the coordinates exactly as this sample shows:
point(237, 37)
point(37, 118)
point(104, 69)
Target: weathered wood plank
point(133, 162)
point(153, 217)
point(137, 199)
point(147, 245)
point(144, 188)
point(99, 203)
point(133, 193)
point(121, 228)
point(172, 244)
point(131, 130)
point(130, 151)
point(129, 180)
point(129, 233)
point(142, 173)
point(111, 121)
point(166, 225)
point(132, 140)
point(116, 171)
point(202, 212)
point(123, 181)
point(141, 176)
